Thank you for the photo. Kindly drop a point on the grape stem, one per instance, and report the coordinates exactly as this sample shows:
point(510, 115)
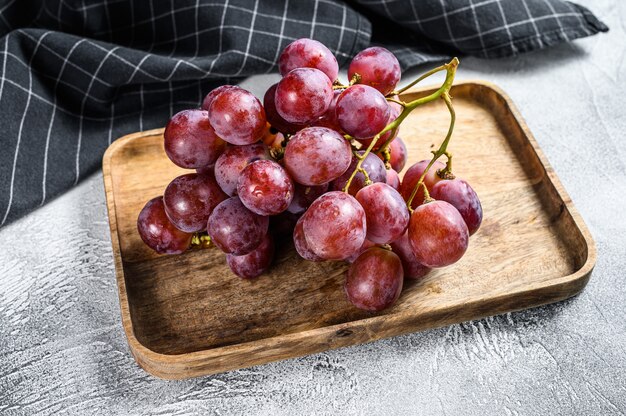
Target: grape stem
point(442, 92)
point(200, 240)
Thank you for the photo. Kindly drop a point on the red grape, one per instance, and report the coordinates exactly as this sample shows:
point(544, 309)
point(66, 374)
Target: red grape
point(334, 226)
point(308, 53)
point(190, 199)
point(235, 229)
point(317, 155)
point(393, 179)
point(398, 154)
point(413, 269)
point(190, 141)
point(362, 111)
point(385, 212)
point(230, 164)
point(374, 167)
point(303, 95)
point(206, 103)
point(461, 195)
point(378, 68)
point(265, 188)
point(300, 243)
point(275, 119)
point(412, 176)
point(237, 116)
point(304, 196)
point(374, 280)
point(437, 234)
point(156, 230)
point(255, 263)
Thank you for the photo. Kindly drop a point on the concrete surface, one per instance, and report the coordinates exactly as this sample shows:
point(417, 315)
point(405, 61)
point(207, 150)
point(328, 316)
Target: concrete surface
point(63, 351)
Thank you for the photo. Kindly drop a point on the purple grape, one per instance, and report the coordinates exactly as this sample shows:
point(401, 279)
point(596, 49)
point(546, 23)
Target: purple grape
point(308, 53)
point(399, 154)
point(237, 116)
point(230, 164)
point(374, 280)
point(366, 244)
point(377, 67)
point(329, 119)
point(412, 176)
point(283, 224)
point(235, 229)
point(374, 167)
point(393, 179)
point(461, 195)
point(413, 269)
point(317, 155)
point(275, 119)
point(334, 226)
point(265, 188)
point(156, 230)
point(303, 95)
point(385, 212)
point(362, 111)
point(255, 263)
point(190, 199)
point(437, 234)
point(190, 141)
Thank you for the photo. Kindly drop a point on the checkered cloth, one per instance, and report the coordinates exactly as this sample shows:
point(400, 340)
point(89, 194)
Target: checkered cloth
point(77, 74)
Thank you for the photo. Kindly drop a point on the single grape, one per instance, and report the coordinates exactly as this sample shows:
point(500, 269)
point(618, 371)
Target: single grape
point(393, 179)
point(461, 195)
point(374, 167)
point(329, 119)
point(366, 244)
point(156, 230)
point(189, 200)
point(303, 95)
point(206, 103)
point(303, 197)
point(398, 154)
point(308, 53)
point(301, 245)
point(362, 111)
point(190, 141)
point(230, 164)
point(255, 263)
point(374, 280)
point(235, 229)
point(378, 68)
point(275, 119)
point(437, 234)
point(237, 116)
point(334, 226)
point(385, 212)
point(412, 176)
point(317, 155)
point(413, 269)
point(265, 188)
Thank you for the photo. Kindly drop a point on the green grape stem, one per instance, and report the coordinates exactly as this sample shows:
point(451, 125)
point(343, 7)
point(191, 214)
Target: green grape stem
point(443, 93)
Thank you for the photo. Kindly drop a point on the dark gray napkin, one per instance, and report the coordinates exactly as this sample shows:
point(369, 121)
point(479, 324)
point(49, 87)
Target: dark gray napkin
point(77, 74)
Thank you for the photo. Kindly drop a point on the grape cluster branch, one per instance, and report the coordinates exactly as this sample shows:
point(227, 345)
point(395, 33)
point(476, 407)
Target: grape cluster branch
point(443, 93)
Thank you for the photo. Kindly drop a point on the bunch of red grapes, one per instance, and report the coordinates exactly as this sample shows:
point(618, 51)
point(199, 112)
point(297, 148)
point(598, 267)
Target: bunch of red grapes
point(300, 164)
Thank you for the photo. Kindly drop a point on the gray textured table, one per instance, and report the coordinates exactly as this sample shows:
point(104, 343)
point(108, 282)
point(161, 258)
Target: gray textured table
point(63, 350)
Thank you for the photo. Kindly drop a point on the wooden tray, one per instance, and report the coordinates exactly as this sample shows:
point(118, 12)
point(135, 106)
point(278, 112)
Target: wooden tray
point(187, 315)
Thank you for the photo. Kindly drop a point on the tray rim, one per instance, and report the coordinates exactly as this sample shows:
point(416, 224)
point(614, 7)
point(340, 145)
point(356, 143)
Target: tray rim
point(175, 366)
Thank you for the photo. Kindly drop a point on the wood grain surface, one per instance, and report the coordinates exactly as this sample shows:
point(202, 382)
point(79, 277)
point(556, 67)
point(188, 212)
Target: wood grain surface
point(188, 315)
